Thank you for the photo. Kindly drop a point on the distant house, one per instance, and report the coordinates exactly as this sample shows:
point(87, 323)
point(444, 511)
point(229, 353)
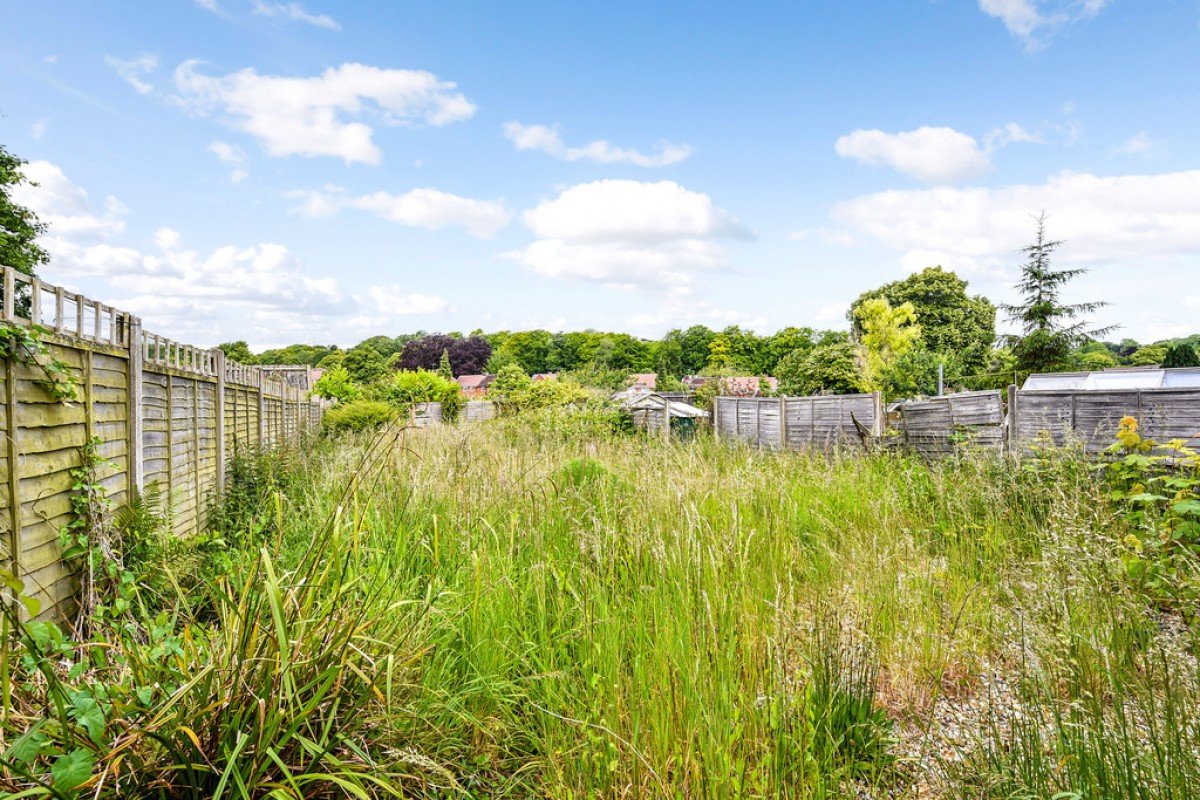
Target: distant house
point(475, 386)
point(643, 380)
point(545, 376)
point(738, 386)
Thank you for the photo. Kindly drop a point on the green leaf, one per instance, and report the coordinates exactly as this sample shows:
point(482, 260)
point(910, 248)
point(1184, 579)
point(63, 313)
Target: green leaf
point(72, 770)
point(87, 713)
point(1185, 507)
point(1145, 497)
point(27, 748)
point(32, 605)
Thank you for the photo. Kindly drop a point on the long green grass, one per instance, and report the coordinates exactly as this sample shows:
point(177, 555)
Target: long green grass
point(507, 611)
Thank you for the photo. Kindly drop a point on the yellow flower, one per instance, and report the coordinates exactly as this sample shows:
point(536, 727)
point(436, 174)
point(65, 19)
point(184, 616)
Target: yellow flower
point(1133, 543)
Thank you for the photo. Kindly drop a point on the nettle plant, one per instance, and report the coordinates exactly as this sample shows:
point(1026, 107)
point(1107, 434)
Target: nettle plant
point(1158, 487)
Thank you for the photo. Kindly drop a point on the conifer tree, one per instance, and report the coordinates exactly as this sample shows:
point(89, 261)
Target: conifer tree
point(1050, 329)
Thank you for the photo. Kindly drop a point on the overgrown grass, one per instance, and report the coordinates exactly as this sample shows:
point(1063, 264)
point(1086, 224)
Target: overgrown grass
point(505, 611)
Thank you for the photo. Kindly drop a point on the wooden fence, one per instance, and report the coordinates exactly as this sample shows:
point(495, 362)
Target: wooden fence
point(939, 425)
point(799, 422)
point(160, 410)
point(1092, 417)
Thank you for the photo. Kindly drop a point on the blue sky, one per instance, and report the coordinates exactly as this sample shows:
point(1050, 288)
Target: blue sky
point(319, 171)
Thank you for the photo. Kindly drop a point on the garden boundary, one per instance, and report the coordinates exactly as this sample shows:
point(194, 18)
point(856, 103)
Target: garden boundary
point(158, 410)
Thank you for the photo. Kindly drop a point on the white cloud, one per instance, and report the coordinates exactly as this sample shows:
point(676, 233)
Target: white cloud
point(1139, 144)
point(132, 70)
point(932, 155)
point(938, 155)
point(210, 5)
point(683, 312)
point(418, 208)
point(295, 12)
point(65, 206)
point(979, 230)
point(628, 234)
point(311, 116)
point(1029, 19)
point(258, 290)
point(547, 139)
point(233, 155)
point(38, 129)
point(393, 300)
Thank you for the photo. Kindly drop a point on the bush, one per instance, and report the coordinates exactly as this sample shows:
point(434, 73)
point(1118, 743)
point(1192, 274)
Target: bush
point(359, 415)
point(408, 388)
point(336, 385)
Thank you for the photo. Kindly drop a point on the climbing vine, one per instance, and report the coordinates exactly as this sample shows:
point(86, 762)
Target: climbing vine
point(24, 344)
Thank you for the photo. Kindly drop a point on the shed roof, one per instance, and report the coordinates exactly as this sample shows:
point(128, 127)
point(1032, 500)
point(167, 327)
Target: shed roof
point(1117, 378)
point(674, 407)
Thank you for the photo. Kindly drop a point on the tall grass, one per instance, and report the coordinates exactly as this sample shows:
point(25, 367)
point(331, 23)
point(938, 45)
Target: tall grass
point(506, 611)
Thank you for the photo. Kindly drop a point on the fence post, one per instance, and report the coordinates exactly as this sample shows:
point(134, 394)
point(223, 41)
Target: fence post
point(1010, 438)
point(262, 411)
point(135, 411)
point(716, 418)
point(219, 368)
point(13, 451)
point(783, 440)
point(880, 422)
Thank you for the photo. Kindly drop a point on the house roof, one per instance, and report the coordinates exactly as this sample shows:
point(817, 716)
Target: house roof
point(469, 382)
point(647, 379)
point(1114, 379)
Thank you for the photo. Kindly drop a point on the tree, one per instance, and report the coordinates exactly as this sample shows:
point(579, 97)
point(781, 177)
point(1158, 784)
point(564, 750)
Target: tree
point(238, 351)
point(365, 364)
point(19, 226)
point(444, 370)
point(952, 322)
point(887, 334)
point(694, 342)
point(1050, 329)
point(720, 354)
point(1181, 354)
point(467, 356)
point(828, 368)
point(1151, 355)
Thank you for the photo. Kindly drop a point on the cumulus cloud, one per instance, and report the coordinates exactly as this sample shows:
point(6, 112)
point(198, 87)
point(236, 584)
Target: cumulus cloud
point(394, 300)
point(933, 155)
point(296, 13)
point(132, 70)
point(547, 139)
point(179, 292)
point(419, 208)
point(233, 155)
point(1031, 21)
point(313, 116)
point(628, 234)
point(979, 230)
point(66, 206)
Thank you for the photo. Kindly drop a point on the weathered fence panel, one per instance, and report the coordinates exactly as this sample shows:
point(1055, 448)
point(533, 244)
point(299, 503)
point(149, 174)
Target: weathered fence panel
point(479, 410)
point(1092, 418)
point(818, 422)
point(157, 410)
point(939, 425)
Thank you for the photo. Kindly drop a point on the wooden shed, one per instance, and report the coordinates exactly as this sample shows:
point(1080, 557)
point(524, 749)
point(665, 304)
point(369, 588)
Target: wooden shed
point(654, 413)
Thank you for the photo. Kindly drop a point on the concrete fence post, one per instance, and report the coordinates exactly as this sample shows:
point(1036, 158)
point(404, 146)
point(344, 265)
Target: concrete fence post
point(1010, 437)
point(136, 406)
point(218, 356)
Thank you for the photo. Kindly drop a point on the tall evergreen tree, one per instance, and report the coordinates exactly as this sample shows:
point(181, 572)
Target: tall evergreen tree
point(1050, 329)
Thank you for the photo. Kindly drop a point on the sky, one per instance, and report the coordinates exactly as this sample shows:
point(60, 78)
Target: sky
point(321, 172)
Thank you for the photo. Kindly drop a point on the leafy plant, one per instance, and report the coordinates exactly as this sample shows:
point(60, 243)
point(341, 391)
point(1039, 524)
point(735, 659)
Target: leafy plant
point(359, 415)
point(24, 344)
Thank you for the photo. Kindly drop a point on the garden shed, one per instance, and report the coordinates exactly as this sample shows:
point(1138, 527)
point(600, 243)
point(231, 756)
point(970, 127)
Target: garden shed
point(654, 413)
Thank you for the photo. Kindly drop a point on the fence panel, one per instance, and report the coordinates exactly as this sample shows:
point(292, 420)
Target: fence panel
point(799, 422)
point(1092, 418)
point(158, 410)
point(939, 425)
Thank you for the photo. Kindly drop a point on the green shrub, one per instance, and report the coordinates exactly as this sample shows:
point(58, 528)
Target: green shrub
point(336, 385)
point(407, 388)
point(359, 415)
